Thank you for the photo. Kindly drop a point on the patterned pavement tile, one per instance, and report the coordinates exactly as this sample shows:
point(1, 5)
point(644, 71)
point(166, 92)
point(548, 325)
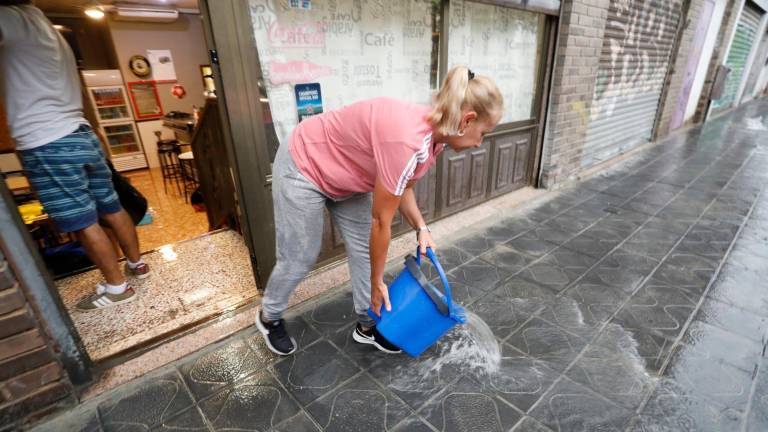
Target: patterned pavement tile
point(479, 275)
point(527, 297)
point(622, 269)
point(548, 343)
point(706, 242)
point(569, 223)
point(257, 403)
point(533, 244)
point(413, 424)
point(415, 381)
point(503, 314)
point(360, 404)
point(463, 292)
point(658, 308)
point(733, 319)
point(757, 417)
point(558, 269)
point(213, 370)
point(313, 372)
point(518, 224)
point(190, 420)
point(595, 247)
point(719, 345)
point(569, 406)
point(686, 270)
point(364, 356)
point(597, 303)
point(475, 244)
point(651, 242)
point(520, 380)
point(528, 424)
point(301, 422)
point(624, 223)
point(332, 314)
point(507, 259)
point(672, 408)
point(742, 287)
point(465, 406)
point(151, 404)
point(718, 382)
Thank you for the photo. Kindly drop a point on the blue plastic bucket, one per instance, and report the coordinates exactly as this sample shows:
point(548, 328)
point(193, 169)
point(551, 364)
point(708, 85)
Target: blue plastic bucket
point(420, 313)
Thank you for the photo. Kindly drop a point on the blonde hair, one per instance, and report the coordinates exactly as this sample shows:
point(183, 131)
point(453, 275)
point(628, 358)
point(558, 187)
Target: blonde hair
point(458, 93)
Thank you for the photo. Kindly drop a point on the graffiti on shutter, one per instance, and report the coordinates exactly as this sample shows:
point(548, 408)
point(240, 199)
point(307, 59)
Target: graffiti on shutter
point(635, 56)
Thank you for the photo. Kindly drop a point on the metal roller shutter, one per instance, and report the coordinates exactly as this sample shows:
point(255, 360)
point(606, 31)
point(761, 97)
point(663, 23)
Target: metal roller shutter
point(743, 39)
point(638, 41)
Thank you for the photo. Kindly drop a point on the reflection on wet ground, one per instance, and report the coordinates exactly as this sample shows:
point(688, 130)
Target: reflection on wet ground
point(633, 301)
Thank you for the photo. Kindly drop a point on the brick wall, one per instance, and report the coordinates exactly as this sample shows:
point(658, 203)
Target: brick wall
point(577, 56)
point(718, 55)
point(691, 14)
point(32, 382)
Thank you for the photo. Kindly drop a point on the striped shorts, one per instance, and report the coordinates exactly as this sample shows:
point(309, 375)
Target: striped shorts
point(72, 179)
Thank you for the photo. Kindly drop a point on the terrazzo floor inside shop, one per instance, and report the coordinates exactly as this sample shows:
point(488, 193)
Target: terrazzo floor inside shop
point(632, 301)
point(189, 281)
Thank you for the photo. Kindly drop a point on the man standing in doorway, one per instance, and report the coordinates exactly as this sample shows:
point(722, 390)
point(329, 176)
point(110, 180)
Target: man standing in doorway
point(60, 153)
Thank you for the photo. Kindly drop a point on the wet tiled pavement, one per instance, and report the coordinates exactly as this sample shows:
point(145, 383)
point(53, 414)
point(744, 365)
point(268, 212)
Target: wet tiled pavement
point(635, 301)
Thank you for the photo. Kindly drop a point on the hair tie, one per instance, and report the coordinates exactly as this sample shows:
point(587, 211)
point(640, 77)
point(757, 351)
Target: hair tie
point(470, 74)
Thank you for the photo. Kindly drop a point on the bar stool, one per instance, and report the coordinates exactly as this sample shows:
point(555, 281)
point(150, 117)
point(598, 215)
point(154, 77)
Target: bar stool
point(168, 155)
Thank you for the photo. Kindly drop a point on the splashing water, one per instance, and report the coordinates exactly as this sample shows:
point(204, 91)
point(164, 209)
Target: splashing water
point(469, 347)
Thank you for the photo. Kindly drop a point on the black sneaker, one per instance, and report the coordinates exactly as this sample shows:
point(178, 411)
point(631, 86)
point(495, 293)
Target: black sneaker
point(373, 337)
point(277, 338)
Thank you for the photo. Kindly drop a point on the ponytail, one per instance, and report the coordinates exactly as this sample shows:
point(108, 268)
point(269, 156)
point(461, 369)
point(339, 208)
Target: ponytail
point(462, 90)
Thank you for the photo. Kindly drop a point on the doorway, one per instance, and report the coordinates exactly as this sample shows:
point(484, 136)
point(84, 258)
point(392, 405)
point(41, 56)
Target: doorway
point(162, 131)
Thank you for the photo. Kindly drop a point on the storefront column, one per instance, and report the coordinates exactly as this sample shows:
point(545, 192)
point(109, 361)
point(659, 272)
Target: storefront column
point(577, 57)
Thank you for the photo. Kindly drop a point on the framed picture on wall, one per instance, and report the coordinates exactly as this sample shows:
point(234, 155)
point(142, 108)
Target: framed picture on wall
point(145, 99)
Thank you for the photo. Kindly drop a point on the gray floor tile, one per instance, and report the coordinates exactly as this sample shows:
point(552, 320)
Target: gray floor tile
point(572, 407)
point(333, 313)
point(521, 380)
point(479, 275)
point(463, 292)
point(508, 260)
point(315, 371)
point(360, 404)
point(717, 345)
point(257, 403)
point(719, 382)
point(651, 242)
point(475, 244)
point(733, 319)
point(742, 287)
point(190, 420)
point(672, 408)
point(153, 402)
point(528, 297)
point(757, 417)
point(569, 224)
point(532, 244)
point(706, 242)
point(301, 422)
point(528, 424)
point(413, 424)
point(464, 406)
point(214, 370)
point(595, 247)
point(558, 269)
point(546, 342)
point(658, 308)
point(686, 270)
point(416, 380)
point(597, 303)
point(503, 314)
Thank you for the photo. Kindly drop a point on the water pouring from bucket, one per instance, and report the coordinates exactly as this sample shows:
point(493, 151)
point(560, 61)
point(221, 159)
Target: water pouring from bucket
point(421, 312)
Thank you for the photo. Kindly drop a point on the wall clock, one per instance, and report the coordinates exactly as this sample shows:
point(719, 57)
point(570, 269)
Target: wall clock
point(140, 66)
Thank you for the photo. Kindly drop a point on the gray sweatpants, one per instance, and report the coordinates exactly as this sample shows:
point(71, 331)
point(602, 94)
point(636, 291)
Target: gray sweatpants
point(299, 207)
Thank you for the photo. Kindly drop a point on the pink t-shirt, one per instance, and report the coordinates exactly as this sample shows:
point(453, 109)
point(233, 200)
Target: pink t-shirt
point(343, 151)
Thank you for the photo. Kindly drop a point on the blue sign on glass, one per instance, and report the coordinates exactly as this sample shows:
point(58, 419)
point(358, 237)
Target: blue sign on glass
point(309, 101)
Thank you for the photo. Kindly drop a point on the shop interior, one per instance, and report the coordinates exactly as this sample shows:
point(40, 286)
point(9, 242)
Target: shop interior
point(149, 91)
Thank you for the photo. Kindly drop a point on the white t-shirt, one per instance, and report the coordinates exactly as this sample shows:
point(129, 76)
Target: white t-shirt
point(41, 86)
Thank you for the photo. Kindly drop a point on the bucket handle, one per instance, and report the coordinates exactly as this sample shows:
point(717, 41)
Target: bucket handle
point(414, 266)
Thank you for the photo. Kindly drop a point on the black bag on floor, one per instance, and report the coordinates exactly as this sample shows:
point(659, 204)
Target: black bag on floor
point(130, 198)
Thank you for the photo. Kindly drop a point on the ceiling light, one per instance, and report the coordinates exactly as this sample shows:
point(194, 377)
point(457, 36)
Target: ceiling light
point(95, 11)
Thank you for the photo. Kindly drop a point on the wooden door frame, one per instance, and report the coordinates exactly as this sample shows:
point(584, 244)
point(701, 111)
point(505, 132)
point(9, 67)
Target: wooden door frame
point(228, 29)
